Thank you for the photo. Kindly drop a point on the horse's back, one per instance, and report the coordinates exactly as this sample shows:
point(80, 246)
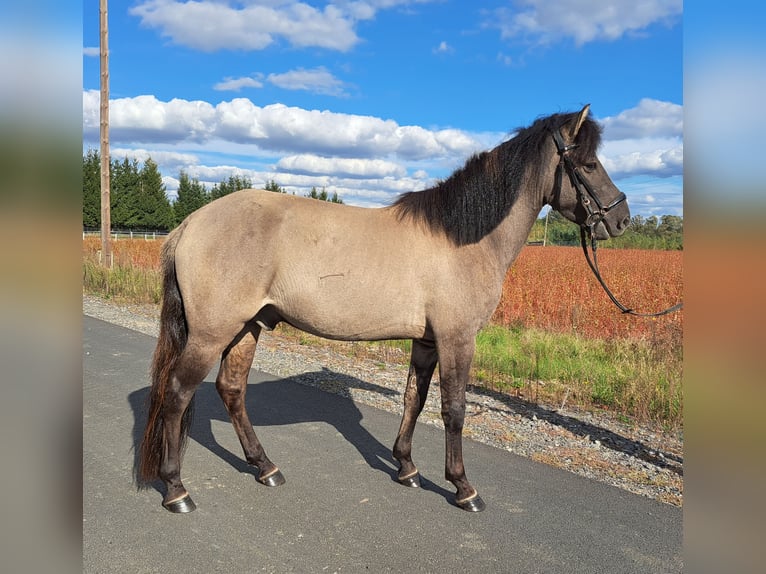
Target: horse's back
point(338, 271)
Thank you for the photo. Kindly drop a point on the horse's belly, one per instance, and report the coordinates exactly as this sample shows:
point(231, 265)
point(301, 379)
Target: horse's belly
point(352, 314)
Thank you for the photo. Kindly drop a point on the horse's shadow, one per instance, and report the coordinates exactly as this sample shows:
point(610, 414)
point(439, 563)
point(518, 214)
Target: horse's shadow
point(283, 402)
point(607, 438)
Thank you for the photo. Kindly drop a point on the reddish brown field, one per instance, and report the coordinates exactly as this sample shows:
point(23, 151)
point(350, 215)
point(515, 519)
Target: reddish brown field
point(553, 288)
point(550, 288)
point(140, 253)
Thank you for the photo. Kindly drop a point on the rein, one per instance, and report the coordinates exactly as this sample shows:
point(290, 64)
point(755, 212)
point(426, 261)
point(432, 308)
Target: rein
point(588, 230)
point(586, 193)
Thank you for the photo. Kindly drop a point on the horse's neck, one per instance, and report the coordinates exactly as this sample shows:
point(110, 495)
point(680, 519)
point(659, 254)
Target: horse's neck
point(506, 241)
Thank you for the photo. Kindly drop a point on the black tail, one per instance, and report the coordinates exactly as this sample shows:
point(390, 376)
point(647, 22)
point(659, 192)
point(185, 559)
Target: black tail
point(170, 345)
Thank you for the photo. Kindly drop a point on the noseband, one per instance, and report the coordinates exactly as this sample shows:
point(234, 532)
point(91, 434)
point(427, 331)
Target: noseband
point(587, 197)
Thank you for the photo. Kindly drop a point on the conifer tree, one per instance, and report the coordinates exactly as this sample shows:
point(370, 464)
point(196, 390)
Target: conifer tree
point(91, 189)
point(274, 186)
point(124, 181)
point(149, 207)
point(234, 183)
point(191, 196)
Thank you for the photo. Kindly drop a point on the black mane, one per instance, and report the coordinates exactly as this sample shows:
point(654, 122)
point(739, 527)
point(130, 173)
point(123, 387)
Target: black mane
point(477, 197)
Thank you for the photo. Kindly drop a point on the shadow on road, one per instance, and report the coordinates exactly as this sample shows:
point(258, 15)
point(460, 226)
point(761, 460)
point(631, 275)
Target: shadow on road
point(283, 402)
point(608, 438)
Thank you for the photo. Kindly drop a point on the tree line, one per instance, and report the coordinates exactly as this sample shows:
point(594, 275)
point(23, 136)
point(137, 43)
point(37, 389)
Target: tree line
point(663, 232)
point(138, 199)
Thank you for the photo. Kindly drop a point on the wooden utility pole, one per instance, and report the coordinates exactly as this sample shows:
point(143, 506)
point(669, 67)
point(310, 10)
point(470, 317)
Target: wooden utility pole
point(106, 214)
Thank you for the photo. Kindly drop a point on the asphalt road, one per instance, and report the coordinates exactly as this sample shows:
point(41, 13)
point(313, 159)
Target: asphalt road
point(340, 510)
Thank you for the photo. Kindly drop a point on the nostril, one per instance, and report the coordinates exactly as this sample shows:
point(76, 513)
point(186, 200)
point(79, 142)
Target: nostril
point(624, 223)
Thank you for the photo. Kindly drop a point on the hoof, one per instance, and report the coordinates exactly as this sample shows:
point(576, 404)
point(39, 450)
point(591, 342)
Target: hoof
point(412, 481)
point(181, 506)
point(274, 479)
point(473, 504)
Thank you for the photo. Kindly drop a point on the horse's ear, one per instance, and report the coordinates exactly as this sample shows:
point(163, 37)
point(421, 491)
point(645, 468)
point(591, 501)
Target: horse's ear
point(575, 128)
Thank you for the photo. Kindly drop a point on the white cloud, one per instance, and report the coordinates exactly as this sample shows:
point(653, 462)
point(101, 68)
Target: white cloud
point(650, 118)
point(443, 48)
point(91, 51)
point(656, 157)
point(168, 159)
point(344, 167)
point(147, 119)
point(211, 25)
point(279, 128)
point(646, 139)
point(548, 21)
point(236, 84)
point(318, 80)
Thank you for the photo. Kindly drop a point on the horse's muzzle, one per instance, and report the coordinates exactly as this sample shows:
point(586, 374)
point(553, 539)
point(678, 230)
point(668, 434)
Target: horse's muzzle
point(615, 228)
point(605, 228)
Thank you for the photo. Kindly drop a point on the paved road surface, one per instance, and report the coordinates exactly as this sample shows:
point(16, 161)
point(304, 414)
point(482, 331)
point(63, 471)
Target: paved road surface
point(341, 510)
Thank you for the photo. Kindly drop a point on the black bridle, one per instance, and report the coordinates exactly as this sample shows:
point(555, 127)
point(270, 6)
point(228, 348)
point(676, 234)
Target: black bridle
point(587, 197)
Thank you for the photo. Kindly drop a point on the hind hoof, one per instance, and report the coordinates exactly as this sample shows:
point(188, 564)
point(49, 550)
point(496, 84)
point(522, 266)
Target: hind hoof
point(474, 504)
point(274, 479)
point(180, 506)
point(411, 481)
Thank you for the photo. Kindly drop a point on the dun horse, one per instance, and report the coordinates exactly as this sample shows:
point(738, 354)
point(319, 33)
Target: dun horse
point(430, 267)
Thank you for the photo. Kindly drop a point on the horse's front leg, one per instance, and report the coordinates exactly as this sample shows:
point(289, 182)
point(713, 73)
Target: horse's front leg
point(422, 365)
point(454, 367)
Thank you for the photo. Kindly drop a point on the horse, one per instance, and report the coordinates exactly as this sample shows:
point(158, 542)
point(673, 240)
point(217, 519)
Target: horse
point(428, 267)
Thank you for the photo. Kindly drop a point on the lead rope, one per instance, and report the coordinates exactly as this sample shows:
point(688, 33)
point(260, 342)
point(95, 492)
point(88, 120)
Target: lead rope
point(594, 267)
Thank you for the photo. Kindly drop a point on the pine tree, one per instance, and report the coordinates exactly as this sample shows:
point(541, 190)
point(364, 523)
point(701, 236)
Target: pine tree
point(323, 196)
point(91, 189)
point(234, 183)
point(155, 211)
point(191, 196)
point(335, 198)
point(125, 181)
point(273, 186)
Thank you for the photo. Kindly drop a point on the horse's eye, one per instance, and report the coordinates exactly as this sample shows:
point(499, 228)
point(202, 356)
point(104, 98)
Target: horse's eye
point(590, 167)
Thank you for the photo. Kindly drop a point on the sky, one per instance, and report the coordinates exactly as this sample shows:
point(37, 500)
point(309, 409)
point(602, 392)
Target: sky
point(372, 98)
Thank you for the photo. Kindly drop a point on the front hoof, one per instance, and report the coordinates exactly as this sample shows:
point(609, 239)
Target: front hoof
point(412, 481)
point(180, 506)
point(472, 504)
point(276, 478)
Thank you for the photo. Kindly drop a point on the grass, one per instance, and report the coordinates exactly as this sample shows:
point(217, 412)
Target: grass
point(122, 282)
point(635, 378)
point(632, 368)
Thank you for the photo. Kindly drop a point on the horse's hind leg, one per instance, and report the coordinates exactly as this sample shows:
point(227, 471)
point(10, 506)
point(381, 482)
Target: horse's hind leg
point(231, 384)
point(193, 364)
point(422, 364)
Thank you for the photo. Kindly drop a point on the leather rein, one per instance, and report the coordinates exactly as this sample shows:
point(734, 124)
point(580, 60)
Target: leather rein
point(587, 197)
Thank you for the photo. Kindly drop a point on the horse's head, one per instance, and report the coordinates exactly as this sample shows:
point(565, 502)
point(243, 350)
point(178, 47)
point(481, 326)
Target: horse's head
point(583, 191)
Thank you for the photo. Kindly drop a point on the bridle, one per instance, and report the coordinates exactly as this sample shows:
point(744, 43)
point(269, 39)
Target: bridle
point(587, 196)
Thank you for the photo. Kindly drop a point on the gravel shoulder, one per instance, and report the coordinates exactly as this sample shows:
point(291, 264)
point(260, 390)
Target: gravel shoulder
point(642, 460)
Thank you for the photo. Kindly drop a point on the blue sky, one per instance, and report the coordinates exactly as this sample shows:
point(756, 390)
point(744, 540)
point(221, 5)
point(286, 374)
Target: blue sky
point(373, 98)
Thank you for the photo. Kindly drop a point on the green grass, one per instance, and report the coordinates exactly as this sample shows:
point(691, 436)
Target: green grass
point(126, 283)
point(631, 377)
